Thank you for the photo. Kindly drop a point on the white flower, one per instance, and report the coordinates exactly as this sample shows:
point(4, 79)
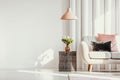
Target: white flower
point(63, 37)
point(68, 37)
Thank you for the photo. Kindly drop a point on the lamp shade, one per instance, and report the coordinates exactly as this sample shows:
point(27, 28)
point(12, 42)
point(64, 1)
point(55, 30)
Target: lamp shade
point(68, 15)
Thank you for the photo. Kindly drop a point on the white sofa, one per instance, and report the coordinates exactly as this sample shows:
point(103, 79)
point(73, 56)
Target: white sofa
point(96, 57)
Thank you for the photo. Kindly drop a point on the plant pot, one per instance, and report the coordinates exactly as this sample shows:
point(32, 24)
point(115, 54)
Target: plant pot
point(67, 48)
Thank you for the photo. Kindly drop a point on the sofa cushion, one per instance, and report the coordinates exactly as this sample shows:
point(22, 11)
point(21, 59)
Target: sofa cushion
point(112, 38)
point(115, 55)
point(101, 46)
point(100, 55)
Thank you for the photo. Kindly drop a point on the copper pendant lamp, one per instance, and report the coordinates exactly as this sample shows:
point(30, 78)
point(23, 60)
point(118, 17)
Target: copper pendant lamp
point(68, 15)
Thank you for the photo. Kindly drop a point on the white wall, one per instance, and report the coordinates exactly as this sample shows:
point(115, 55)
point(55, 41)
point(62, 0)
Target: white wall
point(30, 32)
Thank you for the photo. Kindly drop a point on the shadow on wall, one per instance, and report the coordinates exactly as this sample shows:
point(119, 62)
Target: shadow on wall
point(45, 58)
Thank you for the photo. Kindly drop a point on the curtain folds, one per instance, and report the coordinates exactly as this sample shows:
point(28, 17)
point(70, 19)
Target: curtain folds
point(95, 16)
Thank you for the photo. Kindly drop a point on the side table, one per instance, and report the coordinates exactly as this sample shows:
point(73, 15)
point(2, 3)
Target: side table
point(67, 61)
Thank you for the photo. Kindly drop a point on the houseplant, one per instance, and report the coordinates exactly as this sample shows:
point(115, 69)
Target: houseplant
point(67, 40)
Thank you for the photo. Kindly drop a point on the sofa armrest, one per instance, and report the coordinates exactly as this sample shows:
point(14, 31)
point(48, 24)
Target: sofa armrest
point(85, 51)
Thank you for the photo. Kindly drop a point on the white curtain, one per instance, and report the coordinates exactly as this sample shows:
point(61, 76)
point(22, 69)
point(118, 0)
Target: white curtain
point(95, 16)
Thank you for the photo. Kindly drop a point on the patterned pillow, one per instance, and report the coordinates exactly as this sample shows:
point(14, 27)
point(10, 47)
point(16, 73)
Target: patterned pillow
point(101, 46)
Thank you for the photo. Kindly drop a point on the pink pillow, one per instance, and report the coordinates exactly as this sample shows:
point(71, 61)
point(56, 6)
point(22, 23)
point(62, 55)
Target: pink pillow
point(112, 38)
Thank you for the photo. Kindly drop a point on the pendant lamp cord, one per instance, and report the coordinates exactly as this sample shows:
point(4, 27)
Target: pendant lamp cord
point(69, 3)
